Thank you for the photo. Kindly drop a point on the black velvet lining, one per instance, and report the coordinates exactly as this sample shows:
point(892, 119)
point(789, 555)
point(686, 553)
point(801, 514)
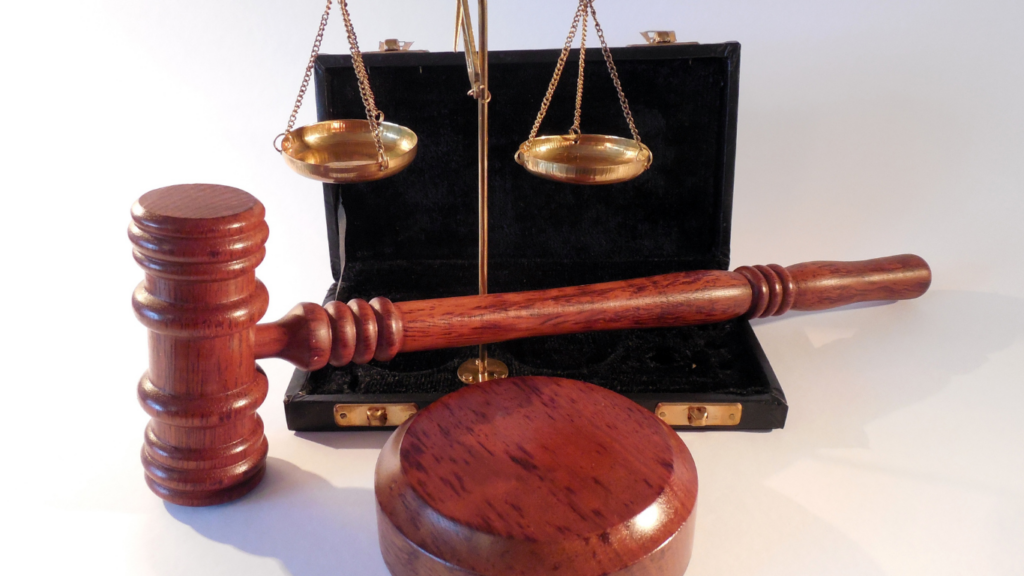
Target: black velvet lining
point(414, 235)
point(713, 359)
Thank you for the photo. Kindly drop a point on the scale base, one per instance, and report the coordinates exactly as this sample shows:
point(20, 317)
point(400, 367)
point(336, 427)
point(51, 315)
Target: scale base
point(469, 372)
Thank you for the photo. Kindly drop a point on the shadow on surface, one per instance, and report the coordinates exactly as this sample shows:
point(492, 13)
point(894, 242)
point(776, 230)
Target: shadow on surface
point(844, 371)
point(312, 527)
point(790, 315)
point(876, 363)
point(348, 440)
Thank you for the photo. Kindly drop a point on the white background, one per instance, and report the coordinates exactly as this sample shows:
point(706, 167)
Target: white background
point(866, 128)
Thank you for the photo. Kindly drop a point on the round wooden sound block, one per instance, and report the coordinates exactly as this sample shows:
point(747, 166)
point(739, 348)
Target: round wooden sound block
point(531, 476)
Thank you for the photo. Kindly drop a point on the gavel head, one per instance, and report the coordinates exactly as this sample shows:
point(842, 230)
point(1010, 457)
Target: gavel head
point(199, 246)
point(535, 475)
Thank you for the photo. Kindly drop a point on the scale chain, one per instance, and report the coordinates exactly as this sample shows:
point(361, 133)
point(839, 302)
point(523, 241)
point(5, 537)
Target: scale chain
point(373, 116)
point(615, 75)
point(585, 7)
point(580, 10)
point(309, 69)
point(575, 130)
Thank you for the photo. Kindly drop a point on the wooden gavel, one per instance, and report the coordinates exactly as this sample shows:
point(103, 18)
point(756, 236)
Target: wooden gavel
point(200, 244)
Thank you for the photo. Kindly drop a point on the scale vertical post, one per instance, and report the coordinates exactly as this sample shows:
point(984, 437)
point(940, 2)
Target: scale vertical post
point(482, 101)
point(481, 368)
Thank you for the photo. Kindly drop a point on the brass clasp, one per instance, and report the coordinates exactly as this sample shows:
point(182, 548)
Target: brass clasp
point(700, 415)
point(373, 415)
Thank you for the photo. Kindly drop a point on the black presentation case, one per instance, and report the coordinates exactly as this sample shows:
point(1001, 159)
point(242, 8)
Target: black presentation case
point(413, 236)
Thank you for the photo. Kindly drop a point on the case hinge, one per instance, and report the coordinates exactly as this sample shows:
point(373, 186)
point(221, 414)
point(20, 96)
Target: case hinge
point(352, 415)
point(698, 415)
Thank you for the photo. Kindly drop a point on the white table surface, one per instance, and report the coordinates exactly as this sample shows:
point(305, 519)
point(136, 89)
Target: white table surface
point(865, 129)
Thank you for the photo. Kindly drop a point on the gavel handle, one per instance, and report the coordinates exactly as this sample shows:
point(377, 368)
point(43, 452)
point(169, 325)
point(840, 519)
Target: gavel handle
point(310, 336)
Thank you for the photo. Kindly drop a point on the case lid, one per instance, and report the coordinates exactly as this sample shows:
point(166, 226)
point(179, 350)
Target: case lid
point(543, 234)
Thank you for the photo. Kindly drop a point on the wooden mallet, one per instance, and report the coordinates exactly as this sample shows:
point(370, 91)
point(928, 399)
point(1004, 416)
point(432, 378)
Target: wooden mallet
point(519, 476)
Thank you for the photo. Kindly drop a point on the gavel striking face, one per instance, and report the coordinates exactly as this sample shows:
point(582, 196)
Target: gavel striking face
point(199, 246)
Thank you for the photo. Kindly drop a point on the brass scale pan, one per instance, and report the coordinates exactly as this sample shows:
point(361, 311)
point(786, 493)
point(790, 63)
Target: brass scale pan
point(351, 151)
point(586, 159)
point(577, 158)
point(346, 151)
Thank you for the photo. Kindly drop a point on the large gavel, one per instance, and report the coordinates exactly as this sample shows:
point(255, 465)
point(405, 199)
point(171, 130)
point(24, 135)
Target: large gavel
point(200, 244)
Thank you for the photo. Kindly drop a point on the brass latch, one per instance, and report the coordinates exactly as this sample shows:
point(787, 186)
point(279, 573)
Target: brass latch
point(395, 45)
point(351, 415)
point(697, 415)
point(661, 37)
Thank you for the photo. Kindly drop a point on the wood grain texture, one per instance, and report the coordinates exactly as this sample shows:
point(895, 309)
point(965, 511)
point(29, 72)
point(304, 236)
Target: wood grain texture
point(343, 333)
point(668, 300)
point(381, 329)
point(822, 285)
point(390, 329)
point(535, 475)
point(309, 335)
point(199, 246)
point(303, 337)
point(366, 330)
